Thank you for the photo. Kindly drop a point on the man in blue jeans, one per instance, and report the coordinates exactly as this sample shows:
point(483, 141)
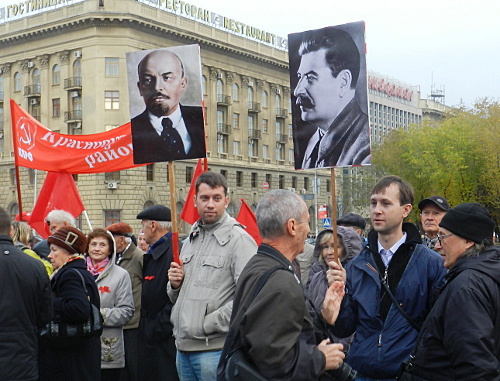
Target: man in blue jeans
point(202, 286)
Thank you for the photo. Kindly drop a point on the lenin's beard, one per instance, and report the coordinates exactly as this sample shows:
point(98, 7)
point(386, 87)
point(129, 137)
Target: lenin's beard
point(159, 106)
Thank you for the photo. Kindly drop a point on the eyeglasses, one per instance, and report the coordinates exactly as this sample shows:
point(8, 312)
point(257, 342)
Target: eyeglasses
point(440, 237)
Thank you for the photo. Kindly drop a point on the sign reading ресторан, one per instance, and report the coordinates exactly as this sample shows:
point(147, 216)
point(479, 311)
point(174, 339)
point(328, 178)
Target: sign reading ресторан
point(24, 8)
point(191, 11)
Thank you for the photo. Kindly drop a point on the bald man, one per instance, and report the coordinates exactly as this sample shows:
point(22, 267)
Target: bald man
point(166, 130)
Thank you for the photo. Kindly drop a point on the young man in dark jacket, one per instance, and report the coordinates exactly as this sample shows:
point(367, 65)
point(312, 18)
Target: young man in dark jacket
point(461, 336)
point(25, 306)
point(384, 337)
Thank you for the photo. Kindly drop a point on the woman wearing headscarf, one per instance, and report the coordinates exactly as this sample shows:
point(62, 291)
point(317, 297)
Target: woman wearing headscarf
point(73, 359)
point(349, 245)
point(117, 304)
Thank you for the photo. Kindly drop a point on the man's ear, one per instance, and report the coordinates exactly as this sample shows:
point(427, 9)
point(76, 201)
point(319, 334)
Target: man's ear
point(345, 77)
point(291, 227)
point(184, 81)
point(407, 209)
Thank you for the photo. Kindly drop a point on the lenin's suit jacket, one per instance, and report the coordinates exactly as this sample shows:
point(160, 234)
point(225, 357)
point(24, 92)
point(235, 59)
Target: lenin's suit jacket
point(149, 147)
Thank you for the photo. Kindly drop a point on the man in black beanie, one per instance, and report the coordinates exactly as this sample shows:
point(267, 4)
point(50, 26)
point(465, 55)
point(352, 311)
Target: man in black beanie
point(462, 331)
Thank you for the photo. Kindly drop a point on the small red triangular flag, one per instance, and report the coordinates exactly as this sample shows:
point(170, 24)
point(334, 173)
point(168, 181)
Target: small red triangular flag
point(246, 217)
point(189, 212)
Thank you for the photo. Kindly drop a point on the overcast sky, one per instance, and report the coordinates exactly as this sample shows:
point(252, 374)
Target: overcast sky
point(453, 44)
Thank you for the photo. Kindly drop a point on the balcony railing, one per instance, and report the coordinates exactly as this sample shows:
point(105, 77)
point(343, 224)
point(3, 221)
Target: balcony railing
point(32, 91)
point(254, 134)
point(223, 100)
point(73, 83)
point(281, 113)
point(281, 138)
point(73, 116)
point(224, 128)
point(253, 107)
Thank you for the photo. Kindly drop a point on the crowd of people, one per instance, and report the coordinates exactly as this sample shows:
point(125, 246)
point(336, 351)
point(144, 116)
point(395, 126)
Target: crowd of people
point(396, 304)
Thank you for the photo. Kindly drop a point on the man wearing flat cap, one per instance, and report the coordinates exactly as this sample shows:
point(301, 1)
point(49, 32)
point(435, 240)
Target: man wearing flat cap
point(353, 221)
point(432, 211)
point(157, 346)
point(461, 339)
point(129, 256)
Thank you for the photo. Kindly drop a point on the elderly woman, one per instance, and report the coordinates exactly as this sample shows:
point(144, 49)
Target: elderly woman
point(349, 245)
point(117, 304)
point(460, 339)
point(75, 359)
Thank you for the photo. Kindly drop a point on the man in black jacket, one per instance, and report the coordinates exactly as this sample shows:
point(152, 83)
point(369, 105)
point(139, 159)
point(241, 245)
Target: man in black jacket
point(278, 331)
point(461, 336)
point(157, 350)
point(25, 306)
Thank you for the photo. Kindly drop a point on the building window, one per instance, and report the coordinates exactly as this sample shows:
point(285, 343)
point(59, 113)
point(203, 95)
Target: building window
point(291, 157)
point(269, 178)
point(223, 172)
point(189, 174)
point(56, 108)
point(327, 186)
point(111, 66)
point(111, 100)
point(265, 151)
point(236, 121)
point(36, 77)
point(279, 152)
point(12, 174)
point(289, 106)
point(239, 178)
point(264, 98)
point(204, 85)
point(17, 81)
point(306, 183)
point(56, 75)
point(282, 181)
point(220, 90)
point(254, 180)
point(236, 92)
point(77, 69)
point(112, 176)
point(236, 147)
point(250, 94)
point(253, 148)
point(222, 143)
point(111, 217)
point(294, 182)
point(265, 127)
point(278, 101)
point(150, 172)
point(290, 131)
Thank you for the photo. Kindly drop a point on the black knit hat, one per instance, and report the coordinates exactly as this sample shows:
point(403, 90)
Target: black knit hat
point(470, 221)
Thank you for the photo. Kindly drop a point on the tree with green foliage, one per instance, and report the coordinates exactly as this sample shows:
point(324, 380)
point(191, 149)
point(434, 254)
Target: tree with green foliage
point(458, 157)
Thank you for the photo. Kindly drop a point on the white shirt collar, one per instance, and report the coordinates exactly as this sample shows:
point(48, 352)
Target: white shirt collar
point(393, 249)
point(177, 123)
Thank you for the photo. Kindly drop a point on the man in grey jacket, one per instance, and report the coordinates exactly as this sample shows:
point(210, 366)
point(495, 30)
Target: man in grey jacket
point(202, 286)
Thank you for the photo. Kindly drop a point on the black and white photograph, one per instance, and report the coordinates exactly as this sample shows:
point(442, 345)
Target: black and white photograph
point(166, 104)
point(329, 97)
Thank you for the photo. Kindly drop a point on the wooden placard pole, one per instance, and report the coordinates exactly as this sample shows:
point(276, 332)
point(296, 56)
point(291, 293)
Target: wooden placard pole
point(175, 232)
point(334, 216)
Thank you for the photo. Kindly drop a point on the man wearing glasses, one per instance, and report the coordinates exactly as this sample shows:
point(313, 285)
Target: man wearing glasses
point(462, 332)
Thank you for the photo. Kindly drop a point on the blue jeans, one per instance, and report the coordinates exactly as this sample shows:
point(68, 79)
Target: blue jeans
point(198, 366)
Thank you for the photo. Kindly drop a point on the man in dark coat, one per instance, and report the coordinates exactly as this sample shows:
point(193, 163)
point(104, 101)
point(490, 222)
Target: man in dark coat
point(130, 257)
point(278, 331)
point(461, 336)
point(166, 130)
point(25, 306)
point(157, 352)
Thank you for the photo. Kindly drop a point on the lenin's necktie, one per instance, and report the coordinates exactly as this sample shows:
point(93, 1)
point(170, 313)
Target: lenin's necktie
point(172, 138)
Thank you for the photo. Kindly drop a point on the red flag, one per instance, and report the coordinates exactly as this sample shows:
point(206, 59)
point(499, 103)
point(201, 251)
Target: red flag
point(246, 217)
point(189, 212)
point(58, 192)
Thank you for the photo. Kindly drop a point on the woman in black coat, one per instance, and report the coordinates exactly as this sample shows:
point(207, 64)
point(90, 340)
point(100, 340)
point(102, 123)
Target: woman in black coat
point(70, 359)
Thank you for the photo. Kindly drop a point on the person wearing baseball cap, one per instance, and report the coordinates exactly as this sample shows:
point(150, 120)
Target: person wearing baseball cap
point(432, 211)
point(462, 331)
point(129, 257)
point(157, 352)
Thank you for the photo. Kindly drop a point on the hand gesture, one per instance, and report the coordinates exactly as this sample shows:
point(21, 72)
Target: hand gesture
point(331, 303)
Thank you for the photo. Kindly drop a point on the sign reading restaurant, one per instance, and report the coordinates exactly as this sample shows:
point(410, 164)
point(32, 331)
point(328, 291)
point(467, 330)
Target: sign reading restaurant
point(178, 7)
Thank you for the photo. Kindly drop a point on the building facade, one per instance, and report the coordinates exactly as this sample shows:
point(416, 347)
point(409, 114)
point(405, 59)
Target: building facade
point(65, 63)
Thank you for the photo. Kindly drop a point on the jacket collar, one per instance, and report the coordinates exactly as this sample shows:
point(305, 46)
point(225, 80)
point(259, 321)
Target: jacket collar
point(412, 237)
point(160, 246)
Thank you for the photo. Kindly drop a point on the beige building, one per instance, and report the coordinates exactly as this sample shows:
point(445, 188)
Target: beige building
point(64, 62)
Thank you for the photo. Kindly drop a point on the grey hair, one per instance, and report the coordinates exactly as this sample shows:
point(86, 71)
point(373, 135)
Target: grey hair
point(61, 216)
point(128, 239)
point(275, 209)
point(164, 225)
point(475, 249)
